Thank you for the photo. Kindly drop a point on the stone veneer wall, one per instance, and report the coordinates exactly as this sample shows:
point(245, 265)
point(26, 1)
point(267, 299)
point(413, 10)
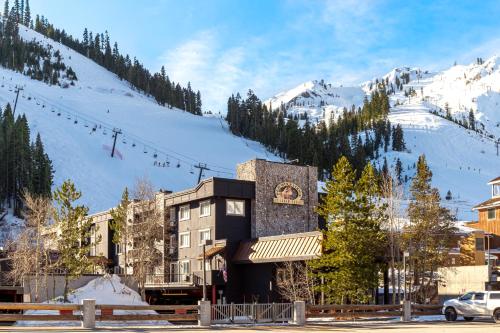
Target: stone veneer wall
point(269, 218)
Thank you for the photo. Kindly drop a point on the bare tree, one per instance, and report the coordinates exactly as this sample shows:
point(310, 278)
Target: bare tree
point(295, 283)
point(146, 233)
point(28, 255)
point(393, 194)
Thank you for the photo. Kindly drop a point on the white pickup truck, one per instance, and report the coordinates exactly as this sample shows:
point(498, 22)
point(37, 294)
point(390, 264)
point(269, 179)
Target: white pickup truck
point(474, 304)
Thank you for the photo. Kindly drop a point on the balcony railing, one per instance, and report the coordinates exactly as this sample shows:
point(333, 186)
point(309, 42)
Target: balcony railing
point(190, 279)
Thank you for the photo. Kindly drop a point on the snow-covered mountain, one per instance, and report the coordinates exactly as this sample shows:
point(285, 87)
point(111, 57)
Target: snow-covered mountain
point(317, 99)
point(76, 124)
point(462, 160)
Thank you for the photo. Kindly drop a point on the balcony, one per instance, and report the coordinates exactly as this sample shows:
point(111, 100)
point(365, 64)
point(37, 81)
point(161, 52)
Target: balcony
point(173, 280)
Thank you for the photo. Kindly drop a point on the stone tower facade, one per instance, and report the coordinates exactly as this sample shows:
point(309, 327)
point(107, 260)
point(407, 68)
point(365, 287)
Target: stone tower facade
point(286, 196)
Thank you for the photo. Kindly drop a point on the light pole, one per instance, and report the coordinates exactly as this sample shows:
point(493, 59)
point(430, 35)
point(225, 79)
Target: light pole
point(488, 237)
point(205, 243)
point(406, 254)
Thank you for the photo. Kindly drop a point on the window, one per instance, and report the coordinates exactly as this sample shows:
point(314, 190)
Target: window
point(479, 244)
point(184, 267)
point(118, 249)
point(495, 296)
point(479, 296)
point(491, 214)
point(204, 235)
point(184, 239)
point(235, 207)
point(496, 190)
point(208, 266)
point(204, 208)
point(184, 213)
point(466, 297)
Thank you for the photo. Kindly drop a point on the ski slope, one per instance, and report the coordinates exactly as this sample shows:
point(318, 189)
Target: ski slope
point(65, 118)
point(462, 161)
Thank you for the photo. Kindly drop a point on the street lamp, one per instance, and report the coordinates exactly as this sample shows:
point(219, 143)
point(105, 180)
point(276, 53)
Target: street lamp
point(205, 242)
point(488, 237)
point(406, 254)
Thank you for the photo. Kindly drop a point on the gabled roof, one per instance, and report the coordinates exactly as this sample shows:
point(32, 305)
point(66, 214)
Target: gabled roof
point(291, 247)
point(493, 202)
point(494, 181)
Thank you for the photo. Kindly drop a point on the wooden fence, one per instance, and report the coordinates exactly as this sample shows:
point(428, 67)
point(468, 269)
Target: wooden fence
point(104, 312)
point(371, 311)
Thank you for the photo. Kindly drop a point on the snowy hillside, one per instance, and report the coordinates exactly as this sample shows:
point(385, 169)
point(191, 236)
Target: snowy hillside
point(76, 125)
point(318, 100)
point(462, 160)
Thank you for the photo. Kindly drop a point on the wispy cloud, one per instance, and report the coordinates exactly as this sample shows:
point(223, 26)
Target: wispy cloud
point(342, 41)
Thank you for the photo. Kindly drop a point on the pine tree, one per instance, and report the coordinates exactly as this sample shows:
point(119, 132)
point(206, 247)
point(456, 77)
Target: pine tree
point(398, 169)
point(429, 235)
point(74, 240)
point(472, 120)
point(6, 9)
point(398, 143)
point(27, 14)
point(353, 242)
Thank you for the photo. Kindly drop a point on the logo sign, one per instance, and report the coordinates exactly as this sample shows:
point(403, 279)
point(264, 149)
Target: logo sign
point(288, 193)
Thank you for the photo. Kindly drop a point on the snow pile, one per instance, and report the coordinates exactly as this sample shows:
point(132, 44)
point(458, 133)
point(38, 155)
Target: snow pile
point(107, 289)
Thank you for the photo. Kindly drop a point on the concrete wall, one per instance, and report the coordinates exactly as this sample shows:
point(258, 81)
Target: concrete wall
point(55, 286)
point(460, 279)
point(270, 218)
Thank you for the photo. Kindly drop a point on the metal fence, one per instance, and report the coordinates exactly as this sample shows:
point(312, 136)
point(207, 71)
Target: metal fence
point(251, 313)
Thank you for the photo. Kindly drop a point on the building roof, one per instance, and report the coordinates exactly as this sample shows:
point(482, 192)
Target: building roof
point(493, 202)
point(291, 247)
point(212, 187)
point(493, 181)
point(213, 251)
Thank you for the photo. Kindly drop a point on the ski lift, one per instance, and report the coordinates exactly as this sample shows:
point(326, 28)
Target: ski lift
point(155, 155)
point(68, 116)
point(59, 114)
point(94, 128)
point(145, 150)
point(43, 106)
point(76, 121)
point(53, 110)
point(133, 144)
point(104, 132)
point(167, 162)
point(124, 141)
point(86, 125)
point(178, 164)
point(191, 170)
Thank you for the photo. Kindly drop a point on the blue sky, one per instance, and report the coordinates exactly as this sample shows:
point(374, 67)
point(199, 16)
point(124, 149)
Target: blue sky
point(225, 46)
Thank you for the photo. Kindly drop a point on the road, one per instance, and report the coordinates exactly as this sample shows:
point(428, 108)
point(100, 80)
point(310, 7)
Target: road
point(373, 327)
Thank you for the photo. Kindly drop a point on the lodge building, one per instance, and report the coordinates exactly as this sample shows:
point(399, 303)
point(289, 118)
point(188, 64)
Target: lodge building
point(489, 222)
point(262, 218)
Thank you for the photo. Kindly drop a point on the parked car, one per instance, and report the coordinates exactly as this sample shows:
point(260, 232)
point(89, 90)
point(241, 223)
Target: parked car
point(473, 304)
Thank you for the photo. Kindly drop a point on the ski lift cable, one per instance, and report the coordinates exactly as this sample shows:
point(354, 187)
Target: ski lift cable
point(105, 126)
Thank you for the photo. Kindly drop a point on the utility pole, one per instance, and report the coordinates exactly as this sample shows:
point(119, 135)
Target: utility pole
point(18, 89)
point(116, 131)
point(201, 166)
